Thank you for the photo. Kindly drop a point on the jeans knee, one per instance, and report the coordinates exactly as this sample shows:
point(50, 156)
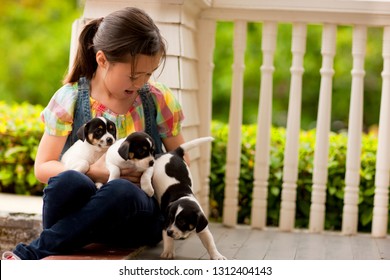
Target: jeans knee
point(122, 189)
point(70, 182)
point(126, 196)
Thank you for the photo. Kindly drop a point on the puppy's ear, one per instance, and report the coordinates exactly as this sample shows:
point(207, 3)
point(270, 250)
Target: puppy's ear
point(81, 132)
point(111, 128)
point(123, 150)
point(202, 223)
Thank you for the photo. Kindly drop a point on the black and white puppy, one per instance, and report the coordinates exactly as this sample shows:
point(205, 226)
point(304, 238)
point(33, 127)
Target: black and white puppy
point(137, 151)
point(172, 182)
point(95, 137)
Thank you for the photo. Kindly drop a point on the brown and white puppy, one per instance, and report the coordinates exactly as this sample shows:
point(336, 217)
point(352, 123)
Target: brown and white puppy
point(137, 151)
point(172, 182)
point(95, 137)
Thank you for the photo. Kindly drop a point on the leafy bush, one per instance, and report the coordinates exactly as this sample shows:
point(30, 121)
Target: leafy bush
point(335, 185)
point(20, 131)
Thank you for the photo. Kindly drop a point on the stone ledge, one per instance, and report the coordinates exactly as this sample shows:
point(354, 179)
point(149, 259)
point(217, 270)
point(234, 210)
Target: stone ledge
point(18, 227)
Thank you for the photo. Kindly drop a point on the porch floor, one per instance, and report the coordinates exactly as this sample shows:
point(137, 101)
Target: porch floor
point(244, 243)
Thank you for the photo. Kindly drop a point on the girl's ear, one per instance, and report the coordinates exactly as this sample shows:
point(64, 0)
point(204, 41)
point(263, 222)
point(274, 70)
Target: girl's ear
point(101, 59)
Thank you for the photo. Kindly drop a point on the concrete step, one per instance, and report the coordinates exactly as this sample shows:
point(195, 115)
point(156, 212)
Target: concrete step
point(20, 219)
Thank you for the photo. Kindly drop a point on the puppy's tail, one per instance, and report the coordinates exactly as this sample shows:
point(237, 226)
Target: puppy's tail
point(196, 142)
point(192, 144)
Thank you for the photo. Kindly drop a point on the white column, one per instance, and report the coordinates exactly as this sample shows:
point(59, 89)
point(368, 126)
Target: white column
point(233, 156)
point(320, 172)
point(290, 168)
point(77, 27)
point(206, 45)
point(261, 168)
point(381, 198)
point(352, 176)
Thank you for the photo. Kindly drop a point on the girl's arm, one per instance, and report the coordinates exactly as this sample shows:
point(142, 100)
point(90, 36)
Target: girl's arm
point(46, 162)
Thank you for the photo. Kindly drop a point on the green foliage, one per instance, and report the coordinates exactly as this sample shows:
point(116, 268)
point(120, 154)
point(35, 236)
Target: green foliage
point(335, 185)
point(20, 131)
point(35, 48)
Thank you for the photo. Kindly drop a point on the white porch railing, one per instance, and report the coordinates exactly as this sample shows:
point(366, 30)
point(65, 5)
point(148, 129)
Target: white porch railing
point(359, 14)
point(189, 26)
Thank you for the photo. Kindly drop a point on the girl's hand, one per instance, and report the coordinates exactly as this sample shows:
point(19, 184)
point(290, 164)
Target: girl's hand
point(98, 171)
point(132, 175)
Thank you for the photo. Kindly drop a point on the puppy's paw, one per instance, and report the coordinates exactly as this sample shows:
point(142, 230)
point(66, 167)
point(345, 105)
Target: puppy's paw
point(80, 166)
point(169, 255)
point(218, 256)
point(146, 182)
point(148, 191)
point(98, 185)
point(146, 186)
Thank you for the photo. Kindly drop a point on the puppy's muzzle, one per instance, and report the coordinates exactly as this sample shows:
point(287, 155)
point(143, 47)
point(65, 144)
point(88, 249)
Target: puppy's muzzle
point(175, 235)
point(170, 233)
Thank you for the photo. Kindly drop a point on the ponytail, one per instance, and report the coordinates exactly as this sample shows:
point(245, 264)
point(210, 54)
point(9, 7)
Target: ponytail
point(85, 61)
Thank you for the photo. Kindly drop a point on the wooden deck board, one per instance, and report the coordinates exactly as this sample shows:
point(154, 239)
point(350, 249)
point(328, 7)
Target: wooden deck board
point(255, 247)
point(231, 241)
point(244, 243)
point(338, 247)
point(283, 246)
point(384, 247)
point(311, 247)
point(365, 248)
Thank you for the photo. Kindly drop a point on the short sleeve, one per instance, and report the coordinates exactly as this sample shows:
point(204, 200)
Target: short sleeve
point(169, 111)
point(58, 114)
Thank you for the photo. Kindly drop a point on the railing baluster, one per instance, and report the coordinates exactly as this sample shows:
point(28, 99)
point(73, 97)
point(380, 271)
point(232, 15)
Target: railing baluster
point(235, 121)
point(320, 172)
point(352, 176)
point(381, 211)
point(261, 168)
point(206, 45)
point(290, 168)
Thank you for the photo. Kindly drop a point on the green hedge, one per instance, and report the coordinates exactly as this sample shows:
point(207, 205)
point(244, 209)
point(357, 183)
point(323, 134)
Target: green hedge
point(336, 174)
point(21, 129)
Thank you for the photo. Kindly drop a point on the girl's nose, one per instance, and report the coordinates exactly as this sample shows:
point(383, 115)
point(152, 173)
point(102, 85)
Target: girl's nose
point(139, 82)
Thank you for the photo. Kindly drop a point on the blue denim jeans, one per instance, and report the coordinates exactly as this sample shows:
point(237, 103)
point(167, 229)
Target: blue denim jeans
point(76, 214)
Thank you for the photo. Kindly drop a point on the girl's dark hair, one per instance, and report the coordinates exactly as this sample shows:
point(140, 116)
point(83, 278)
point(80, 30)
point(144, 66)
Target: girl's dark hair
point(122, 35)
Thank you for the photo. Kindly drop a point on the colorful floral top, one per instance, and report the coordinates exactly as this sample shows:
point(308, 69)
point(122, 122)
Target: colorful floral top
point(58, 114)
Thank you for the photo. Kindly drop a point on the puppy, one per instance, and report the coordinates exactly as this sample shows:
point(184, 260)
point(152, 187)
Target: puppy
point(137, 150)
point(172, 183)
point(95, 137)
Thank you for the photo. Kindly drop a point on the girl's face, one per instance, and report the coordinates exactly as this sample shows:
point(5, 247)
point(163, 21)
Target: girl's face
point(122, 81)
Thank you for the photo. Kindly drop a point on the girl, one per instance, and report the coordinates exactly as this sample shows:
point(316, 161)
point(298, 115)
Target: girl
point(110, 77)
